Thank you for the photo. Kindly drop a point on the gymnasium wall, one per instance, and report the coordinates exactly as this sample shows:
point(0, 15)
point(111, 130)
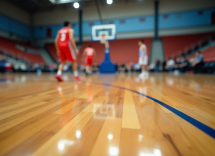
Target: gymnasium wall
point(167, 21)
point(14, 20)
point(121, 10)
point(14, 12)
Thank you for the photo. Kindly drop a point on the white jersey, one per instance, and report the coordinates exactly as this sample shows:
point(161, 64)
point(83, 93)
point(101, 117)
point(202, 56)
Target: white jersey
point(143, 61)
point(141, 50)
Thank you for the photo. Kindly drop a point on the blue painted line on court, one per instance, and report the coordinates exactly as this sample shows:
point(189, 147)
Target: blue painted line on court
point(208, 130)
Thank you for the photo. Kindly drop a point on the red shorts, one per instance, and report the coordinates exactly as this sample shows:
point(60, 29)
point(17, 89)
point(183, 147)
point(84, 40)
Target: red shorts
point(67, 53)
point(89, 61)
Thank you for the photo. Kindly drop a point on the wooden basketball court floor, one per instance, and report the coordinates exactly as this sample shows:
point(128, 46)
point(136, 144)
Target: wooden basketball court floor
point(162, 115)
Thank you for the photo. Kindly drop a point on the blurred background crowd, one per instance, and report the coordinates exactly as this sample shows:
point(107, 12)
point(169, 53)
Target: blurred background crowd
point(179, 65)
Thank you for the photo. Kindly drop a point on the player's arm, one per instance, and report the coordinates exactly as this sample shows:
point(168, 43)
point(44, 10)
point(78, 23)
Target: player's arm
point(56, 43)
point(83, 56)
point(71, 38)
point(94, 55)
point(143, 49)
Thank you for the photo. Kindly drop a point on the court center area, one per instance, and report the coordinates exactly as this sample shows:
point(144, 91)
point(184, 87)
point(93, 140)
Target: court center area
point(107, 115)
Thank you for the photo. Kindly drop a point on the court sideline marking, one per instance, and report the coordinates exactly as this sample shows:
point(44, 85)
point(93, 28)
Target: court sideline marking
point(208, 130)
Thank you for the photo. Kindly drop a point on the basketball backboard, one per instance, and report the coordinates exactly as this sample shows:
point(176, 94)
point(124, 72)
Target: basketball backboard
point(109, 31)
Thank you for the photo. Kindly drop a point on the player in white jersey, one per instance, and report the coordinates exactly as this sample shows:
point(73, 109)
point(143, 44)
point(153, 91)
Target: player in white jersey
point(143, 58)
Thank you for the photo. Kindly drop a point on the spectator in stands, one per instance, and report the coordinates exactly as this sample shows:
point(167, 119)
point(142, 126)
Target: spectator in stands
point(42, 66)
point(184, 65)
point(96, 68)
point(177, 63)
point(198, 62)
point(116, 67)
point(157, 65)
point(70, 67)
point(170, 64)
point(129, 67)
point(2, 64)
point(82, 68)
point(163, 65)
point(137, 68)
point(13, 67)
point(55, 67)
point(151, 67)
point(122, 67)
point(51, 68)
point(29, 68)
point(46, 67)
point(37, 68)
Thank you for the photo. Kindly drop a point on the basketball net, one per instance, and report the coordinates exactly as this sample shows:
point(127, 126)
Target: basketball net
point(104, 41)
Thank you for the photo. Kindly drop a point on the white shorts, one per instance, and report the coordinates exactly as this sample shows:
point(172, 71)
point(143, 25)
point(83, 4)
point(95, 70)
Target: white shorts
point(143, 61)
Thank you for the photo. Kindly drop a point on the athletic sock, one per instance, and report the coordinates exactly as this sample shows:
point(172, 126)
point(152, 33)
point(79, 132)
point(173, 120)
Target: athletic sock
point(59, 72)
point(75, 73)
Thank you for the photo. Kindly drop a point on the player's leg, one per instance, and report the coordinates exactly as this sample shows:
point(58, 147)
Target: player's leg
point(63, 62)
point(144, 71)
point(75, 70)
point(87, 69)
point(89, 63)
point(141, 62)
point(60, 70)
point(90, 69)
point(71, 57)
point(144, 63)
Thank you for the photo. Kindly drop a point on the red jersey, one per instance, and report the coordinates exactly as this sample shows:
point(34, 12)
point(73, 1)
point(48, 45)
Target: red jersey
point(67, 52)
point(64, 37)
point(89, 52)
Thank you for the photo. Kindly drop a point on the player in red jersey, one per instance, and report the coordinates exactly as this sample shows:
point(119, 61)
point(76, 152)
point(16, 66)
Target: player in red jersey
point(88, 56)
point(67, 49)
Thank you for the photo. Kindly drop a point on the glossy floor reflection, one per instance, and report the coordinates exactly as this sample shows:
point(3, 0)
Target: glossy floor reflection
point(106, 115)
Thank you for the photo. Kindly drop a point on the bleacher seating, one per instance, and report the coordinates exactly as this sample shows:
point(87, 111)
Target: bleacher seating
point(126, 50)
point(52, 51)
point(180, 43)
point(10, 46)
point(209, 59)
point(209, 54)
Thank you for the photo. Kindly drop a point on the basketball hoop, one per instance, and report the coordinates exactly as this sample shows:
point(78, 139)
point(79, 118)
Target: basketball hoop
point(103, 39)
point(108, 30)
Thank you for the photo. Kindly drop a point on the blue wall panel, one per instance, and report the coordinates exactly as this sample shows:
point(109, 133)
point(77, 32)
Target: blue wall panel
point(142, 23)
point(40, 31)
point(87, 27)
point(132, 24)
point(4, 23)
point(186, 19)
point(14, 26)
